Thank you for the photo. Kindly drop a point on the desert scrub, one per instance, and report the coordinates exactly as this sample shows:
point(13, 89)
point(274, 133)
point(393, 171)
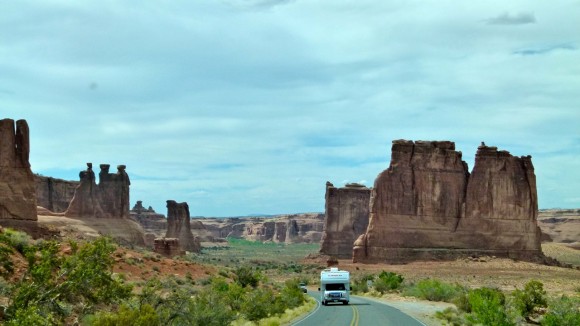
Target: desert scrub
point(387, 282)
point(55, 285)
point(488, 307)
point(360, 283)
point(563, 311)
point(529, 300)
point(433, 290)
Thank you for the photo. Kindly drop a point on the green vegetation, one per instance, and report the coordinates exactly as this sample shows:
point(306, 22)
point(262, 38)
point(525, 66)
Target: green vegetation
point(433, 290)
point(74, 281)
point(387, 281)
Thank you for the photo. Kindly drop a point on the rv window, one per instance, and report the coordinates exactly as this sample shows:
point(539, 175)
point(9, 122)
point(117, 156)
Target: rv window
point(335, 287)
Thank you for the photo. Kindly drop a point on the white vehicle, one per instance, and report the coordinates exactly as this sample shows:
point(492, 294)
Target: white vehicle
point(334, 286)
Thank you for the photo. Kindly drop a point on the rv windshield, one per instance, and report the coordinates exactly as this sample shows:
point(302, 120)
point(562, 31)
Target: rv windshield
point(335, 287)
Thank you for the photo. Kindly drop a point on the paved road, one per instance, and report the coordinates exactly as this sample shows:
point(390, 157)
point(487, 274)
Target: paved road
point(360, 312)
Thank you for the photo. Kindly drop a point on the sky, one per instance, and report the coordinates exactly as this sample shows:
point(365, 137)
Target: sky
point(243, 107)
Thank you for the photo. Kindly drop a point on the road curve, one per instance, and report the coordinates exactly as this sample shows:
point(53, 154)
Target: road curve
point(360, 312)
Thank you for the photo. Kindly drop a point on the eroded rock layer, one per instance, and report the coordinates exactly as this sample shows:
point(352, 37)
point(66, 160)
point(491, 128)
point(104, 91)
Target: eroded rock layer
point(179, 226)
point(17, 187)
point(54, 194)
point(346, 218)
point(426, 205)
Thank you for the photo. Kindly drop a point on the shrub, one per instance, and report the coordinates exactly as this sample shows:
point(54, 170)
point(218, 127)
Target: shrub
point(388, 281)
point(488, 307)
point(144, 316)
point(433, 290)
point(360, 284)
point(245, 276)
point(55, 282)
point(291, 295)
point(259, 304)
point(532, 297)
point(563, 311)
point(452, 316)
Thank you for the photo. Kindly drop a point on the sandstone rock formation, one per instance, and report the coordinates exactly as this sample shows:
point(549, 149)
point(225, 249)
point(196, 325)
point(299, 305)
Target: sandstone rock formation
point(151, 221)
point(427, 205)
point(179, 226)
point(17, 188)
point(54, 194)
point(168, 247)
point(110, 198)
point(346, 218)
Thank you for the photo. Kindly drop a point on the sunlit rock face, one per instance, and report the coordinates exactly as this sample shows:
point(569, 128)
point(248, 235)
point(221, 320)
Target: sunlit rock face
point(179, 226)
point(17, 187)
point(346, 218)
point(426, 205)
point(108, 199)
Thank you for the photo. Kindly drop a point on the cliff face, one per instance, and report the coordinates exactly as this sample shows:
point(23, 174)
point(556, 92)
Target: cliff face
point(294, 228)
point(346, 218)
point(54, 194)
point(17, 188)
point(426, 205)
point(179, 226)
point(109, 198)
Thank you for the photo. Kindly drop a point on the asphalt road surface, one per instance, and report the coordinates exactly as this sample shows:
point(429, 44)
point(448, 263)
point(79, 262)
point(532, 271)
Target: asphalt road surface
point(359, 311)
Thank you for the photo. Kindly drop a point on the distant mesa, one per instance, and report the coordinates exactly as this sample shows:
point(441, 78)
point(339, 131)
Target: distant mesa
point(346, 217)
point(427, 205)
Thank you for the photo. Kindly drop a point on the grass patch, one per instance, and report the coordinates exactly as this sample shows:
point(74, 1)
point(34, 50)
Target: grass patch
point(562, 253)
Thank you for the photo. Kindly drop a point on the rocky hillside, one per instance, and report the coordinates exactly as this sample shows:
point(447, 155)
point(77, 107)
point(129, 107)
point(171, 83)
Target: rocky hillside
point(560, 226)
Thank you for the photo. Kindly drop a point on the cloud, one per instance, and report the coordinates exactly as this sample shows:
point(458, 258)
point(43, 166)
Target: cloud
point(507, 19)
point(546, 49)
point(257, 4)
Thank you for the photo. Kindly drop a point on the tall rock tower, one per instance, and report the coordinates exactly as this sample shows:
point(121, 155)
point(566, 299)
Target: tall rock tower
point(17, 186)
point(346, 217)
point(179, 226)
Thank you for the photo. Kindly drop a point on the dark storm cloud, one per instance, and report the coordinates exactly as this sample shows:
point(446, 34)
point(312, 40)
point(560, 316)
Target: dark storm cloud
point(546, 49)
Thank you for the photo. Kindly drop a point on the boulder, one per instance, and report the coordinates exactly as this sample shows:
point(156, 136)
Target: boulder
point(426, 205)
point(346, 217)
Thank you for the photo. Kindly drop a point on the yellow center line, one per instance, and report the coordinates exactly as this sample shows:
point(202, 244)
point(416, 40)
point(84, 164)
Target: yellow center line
point(355, 316)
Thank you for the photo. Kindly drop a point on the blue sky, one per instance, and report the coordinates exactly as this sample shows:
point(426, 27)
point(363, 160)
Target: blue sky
point(249, 106)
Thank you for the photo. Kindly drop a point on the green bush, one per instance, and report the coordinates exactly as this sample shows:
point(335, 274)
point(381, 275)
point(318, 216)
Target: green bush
point(563, 311)
point(259, 304)
point(245, 276)
point(360, 284)
point(143, 316)
point(387, 281)
point(433, 290)
point(54, 283)
point(291, 295)
point(488, 307)
point(532, 297)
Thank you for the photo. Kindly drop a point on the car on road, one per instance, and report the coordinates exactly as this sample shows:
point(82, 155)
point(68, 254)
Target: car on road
point(303, 287)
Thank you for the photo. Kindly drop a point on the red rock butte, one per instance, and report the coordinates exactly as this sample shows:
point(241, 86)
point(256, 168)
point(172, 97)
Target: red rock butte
point(427, 205)
point(346, 216)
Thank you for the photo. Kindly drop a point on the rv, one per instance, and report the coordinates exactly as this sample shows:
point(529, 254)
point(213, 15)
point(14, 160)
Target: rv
point(334, 286)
